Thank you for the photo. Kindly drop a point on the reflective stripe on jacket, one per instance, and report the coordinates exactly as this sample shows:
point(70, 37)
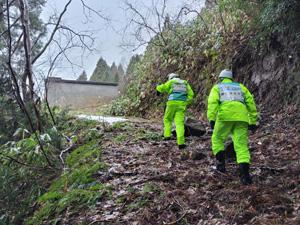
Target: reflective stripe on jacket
point(230, 108)
point(231, 92)
point(178, 90)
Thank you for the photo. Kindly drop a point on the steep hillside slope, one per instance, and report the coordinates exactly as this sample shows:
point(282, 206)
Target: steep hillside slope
point(259, 40)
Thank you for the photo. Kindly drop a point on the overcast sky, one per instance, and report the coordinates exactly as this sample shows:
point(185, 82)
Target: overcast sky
point(108, 35)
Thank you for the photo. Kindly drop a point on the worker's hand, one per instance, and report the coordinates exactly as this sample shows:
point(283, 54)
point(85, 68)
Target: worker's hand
point(253, 127)
point(158, 93)
point(212, 124)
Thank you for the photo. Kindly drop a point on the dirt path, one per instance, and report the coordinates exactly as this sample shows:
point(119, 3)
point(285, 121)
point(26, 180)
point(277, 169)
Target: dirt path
point(151, 184)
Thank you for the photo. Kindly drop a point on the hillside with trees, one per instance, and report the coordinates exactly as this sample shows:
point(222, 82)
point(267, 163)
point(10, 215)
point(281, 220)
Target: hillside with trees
point(258, 40)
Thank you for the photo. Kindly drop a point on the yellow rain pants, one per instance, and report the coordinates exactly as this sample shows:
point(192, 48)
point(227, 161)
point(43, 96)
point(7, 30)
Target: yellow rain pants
point(175, 110)
point(239, 134)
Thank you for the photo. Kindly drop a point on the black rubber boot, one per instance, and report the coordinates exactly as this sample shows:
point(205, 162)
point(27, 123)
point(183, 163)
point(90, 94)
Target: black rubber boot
point(244, 174)
point(182, 146)
point(220, 156)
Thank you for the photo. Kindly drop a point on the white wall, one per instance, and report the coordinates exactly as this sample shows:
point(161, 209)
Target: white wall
point(79, 95)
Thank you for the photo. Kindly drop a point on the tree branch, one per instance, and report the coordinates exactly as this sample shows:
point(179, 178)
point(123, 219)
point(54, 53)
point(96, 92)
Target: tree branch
point(53, 32)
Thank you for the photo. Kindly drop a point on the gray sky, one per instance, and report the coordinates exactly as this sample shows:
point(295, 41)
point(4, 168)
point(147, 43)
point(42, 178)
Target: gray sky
point(108, 35)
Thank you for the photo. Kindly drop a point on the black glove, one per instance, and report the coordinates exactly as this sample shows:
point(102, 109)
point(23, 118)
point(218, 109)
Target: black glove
point(252, 127)
point(158, 93)
point(212, 124)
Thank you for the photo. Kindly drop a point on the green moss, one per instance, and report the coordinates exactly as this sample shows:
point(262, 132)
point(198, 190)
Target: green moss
point(55, 203)
point(78, 198)
point(75, 188)
point(50, 196)
point(77, 177)
point(88, 153)
point(43, 214)
point(148, 188)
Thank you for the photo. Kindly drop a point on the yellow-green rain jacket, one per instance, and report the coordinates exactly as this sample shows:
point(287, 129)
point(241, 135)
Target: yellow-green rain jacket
point(179, 91)
point(231, 101)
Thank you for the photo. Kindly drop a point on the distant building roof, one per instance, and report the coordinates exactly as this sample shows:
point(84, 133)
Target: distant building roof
point(60, 80)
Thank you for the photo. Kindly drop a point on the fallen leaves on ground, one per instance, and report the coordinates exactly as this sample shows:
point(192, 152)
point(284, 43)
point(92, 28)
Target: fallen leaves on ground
point(153, 185)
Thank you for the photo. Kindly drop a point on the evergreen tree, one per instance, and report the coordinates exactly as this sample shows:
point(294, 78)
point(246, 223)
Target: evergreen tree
point(114, 73)
point(102, 71)
point(120, 70)
point(105, 73)
point(82, 76)
point(114, 69)
point(134, 60)
point(116, 78)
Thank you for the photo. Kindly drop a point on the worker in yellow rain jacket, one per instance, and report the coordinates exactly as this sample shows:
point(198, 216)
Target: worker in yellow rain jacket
point(231, 111)
point(180, 95)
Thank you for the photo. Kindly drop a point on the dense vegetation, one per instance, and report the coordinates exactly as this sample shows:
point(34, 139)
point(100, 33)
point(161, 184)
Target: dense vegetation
point(246, 36)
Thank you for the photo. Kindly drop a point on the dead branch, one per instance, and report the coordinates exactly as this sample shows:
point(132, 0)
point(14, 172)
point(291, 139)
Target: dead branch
point(90, 9)
point(68, 149)
point(53, 32)
point(186, 10)
point(81, 37)
point(64, 52)
point(17, 44)
point(143, 23)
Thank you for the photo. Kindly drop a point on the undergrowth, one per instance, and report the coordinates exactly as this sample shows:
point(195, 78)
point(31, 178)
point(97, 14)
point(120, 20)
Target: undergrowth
point(75, 189)
point(25, 174)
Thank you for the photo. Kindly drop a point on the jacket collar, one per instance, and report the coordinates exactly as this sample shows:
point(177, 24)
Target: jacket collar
point(226, 80)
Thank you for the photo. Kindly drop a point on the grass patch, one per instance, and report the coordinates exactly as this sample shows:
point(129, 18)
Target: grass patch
point(120, 138)
point(144, 196)
point(148, 135)
point(123, 126)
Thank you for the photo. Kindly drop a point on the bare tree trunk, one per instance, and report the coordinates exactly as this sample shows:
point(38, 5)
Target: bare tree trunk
point(28, 73)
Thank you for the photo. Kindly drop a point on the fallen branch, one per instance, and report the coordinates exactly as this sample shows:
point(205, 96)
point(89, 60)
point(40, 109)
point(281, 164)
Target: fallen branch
point(71, 147)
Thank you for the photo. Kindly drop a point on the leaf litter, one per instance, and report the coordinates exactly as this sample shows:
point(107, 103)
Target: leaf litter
point(151, 184)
